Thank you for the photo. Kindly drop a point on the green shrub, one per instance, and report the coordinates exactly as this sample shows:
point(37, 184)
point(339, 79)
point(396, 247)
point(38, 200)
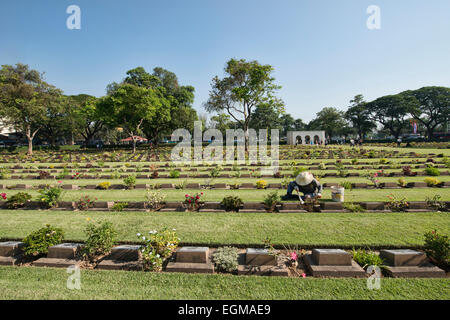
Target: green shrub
point(130, 181)
point(38, 242)
point(4, 173)
point(432, 171)
point(271, 200)
point(49, 196)
point(367, 258)
point(297, 171)
point(174, 174)
point(215, 172)
point(437, 247)
point(100, 240)
point(347, 185)
point(18, 200)
point(225, 259)
point(436, 204)
point(353, 207)
point(119, 206)
point(402, 182)
point(232, 203)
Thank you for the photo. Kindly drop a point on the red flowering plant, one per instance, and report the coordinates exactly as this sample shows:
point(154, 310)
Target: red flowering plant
point(373, 177)
point(193, 203)
point(3, 195)
point(85, 203)
point(77, 176)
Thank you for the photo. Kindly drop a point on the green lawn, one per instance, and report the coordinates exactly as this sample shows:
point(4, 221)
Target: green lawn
point(48, 283)
point(356, 195)
point(313, 229)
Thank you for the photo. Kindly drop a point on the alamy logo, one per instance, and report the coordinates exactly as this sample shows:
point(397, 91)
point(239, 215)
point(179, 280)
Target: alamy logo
point(74, 20)
point(74, 280)
point(255, 147)
point(374, 20)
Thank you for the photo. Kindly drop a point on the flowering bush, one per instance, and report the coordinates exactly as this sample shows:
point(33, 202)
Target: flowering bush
point(155, 200)
point(373, 177)
point(397, 205)
point(193, 203)
point(437, 247)
point(158, 247)
point(77, 176)
point(85, 203)
point(49, 196)
point(432, 182)
point(261, 184)
point(104, 185)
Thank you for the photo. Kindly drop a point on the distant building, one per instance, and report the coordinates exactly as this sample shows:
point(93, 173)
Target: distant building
point(305, 137)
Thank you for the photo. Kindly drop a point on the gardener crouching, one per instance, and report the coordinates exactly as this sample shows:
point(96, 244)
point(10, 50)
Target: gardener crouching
point(306, 184)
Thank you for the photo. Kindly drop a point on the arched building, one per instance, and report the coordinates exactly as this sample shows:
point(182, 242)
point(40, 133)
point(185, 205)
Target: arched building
point(305, 137)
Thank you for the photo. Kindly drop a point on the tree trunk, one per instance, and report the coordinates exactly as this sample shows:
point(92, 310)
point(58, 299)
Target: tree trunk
point(134, 146)
point(30, 146)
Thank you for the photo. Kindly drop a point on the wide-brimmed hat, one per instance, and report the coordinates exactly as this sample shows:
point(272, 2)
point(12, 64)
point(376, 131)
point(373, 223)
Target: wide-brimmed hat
point(304, 178)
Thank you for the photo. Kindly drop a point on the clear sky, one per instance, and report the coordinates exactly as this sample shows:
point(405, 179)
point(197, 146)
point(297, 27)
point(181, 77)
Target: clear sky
point(322, 51)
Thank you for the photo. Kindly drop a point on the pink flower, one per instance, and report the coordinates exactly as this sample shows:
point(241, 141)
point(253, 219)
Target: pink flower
point(375, 175)
point(59, 181)
point(304, 275)
point(3, 195)
point(294, 256)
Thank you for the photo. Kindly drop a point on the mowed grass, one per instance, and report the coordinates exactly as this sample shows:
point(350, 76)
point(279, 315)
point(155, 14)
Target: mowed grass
point(355, 195)
point(309, 229)
point(49, 283)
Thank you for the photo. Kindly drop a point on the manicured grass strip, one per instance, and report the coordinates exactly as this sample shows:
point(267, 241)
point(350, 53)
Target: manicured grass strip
point(356, 195)
point(48, 283)
point(84, 182)
point(314, 229)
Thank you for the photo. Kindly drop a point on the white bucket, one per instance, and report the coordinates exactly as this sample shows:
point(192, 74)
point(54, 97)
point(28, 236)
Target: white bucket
point(337, 194)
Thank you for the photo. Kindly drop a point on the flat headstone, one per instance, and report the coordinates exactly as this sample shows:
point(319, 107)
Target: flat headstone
point(259, 257)
point(192, 254)
point(187, 267)
point(10, 248)
point(125, 253)
point(336, 271)
point(403, 257)
point(331, 257)
point(63, 251)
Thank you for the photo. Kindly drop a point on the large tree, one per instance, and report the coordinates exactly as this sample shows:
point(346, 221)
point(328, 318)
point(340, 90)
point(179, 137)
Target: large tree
point(265, 117)
point(85, 117)
point(392, 112)
point(128, 106)
point(25, 98)
point(175, 110)
point(331, 120)
point(359, 116)
point(246, 85)
point(432, 107)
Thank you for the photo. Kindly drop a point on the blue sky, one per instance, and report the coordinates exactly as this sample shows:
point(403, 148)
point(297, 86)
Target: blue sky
point(322, 51)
